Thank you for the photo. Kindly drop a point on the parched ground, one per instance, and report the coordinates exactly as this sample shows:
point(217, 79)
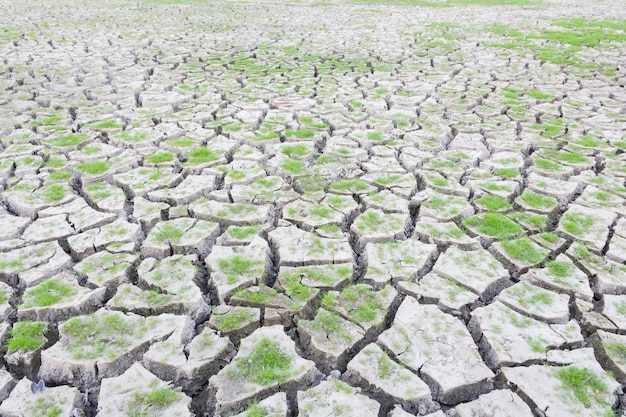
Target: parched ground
point(348, 208)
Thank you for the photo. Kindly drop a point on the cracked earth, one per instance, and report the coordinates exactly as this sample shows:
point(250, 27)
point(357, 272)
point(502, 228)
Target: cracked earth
point(312, 208)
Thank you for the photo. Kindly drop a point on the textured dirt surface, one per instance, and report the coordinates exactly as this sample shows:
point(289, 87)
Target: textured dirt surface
point(312, 208)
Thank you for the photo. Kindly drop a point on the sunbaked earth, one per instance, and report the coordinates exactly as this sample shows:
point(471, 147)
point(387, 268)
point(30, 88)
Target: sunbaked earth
point(337, 208)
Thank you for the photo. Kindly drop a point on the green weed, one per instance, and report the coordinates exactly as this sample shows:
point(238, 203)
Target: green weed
point(26, 336)
point(266, 365)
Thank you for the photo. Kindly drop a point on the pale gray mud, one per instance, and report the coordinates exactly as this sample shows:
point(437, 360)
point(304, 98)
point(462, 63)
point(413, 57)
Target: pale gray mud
point(348, 208)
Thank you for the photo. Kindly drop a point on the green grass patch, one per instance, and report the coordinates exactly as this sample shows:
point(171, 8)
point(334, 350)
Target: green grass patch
point(493, 224)
point(94, 168)
point(266, 365)
point(295, 150)
point(523, 249)
point(242, 232)
point(26, 336)
point(299, 134)
point(53, 193)
point(181, 142)
point(583, 383)
point(54, 162)
point(106, 124)
point(537, 201)
point(237, 266)
point(46, 294)
point(93, 336)
point(232, 320)
point(493, 203)
point(295, 166)
point(346, 185)
point(148, 403)
point(160, 157)
point(560, 269)
point(168, 233)
point(201, 156)
point(70, 140)
point(45, 407)
point(60, 176)
point(577, 223)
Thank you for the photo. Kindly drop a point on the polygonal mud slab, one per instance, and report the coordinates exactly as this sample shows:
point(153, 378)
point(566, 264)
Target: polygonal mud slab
point(34, 263)
point(280, 308)
point(309, 215)
point(615, 309)
point(266, 362)
point(147, 212)
point(241, 235)
point(477, 270)
point(138, 392)
point(28, 197)
point(79, 215)
point(274, 406)
point(442, 207)
point(514, 338)
point(329, 338)
point(335, 398)
point(231, 213)
point(6, 297)
point(101, 345)
point(234, 267)
point(105, 196)
point(51, 401)
point(264, 190)
point(140, 181)
point(612, 352)
point(397, 261)
point(443, 184)
point(373, 370)
point(490, 226)
point(180, 236)
point(190, 189)
point(403, 185)
point(444, 233)
point(362, 305)
point(166, 286)
point(188, 363)
point(114, 236)
point(376, 226)
point(617, 249)
point(328, 277)
point(580, 389)
point(48, 228)
point(562, 275)
point(591, 320)
point(609, 275)
point(105, 269)
point(386, 201)
point(536, 302)
point(7, 383)
point(58, 298)
point(495, 403)
point(449, 294)
point(299, 248)
point(520, 253)
point(535, 202)
point(590, 226)
point(235, 320)
point(12, 226)
point(596, 198)
point(438, 346)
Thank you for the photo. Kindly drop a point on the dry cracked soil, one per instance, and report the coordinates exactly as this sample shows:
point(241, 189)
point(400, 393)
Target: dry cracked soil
point(299, 208)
